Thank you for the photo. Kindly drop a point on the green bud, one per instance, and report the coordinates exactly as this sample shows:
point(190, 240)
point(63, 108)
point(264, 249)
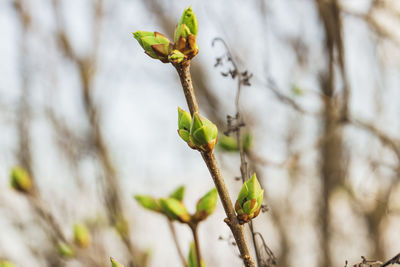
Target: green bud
point(4, 263)
point(249, 201)
point(81, 235)
point(184, 121)
point(65, 250)
point(148, 202)
point(20, 180)
point(203, 133)
point(192, 258)
point(296, 90)
point(227, 143)
point(206, 205)
point(189, 19)
point(154, 44)
point(179, 193)
point(115, 263)
point(176, 56)
point(175, 209)
point(185, 35)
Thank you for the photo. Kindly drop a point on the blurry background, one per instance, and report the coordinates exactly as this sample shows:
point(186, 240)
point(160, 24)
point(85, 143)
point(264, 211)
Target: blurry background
point(94, 120)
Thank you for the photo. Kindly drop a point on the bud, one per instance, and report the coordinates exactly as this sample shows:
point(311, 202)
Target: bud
point(192, 258)
point(154, 44)
point(65, 250)
point(175, 209)
point(189, 20)
point(185, 34)
point(184, 121)
point(81, 235)
point(176, 56)
point(249, 201)
point(179, 193)
point(148, 202)
point(115, 263)
point(20, 180)
point(206, 205)
point(227, 143)
point(4, 263)
point(203, 133)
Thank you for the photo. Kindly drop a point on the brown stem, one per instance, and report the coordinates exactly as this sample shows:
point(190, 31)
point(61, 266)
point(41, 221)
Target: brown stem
point(178, 248)
point(193, 226)
point(231, 221)
point(187, 85)
point(209, 158)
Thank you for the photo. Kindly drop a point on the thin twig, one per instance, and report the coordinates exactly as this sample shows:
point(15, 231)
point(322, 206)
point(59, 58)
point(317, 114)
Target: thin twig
point(178, 247)
point(193, 227)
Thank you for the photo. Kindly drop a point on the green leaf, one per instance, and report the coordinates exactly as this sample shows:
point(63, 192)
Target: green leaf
point(148, 202)
point(184, 120)
point(178, 193)
point(115, 263)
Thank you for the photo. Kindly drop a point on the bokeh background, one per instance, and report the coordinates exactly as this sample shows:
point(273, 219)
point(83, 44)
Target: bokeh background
point(94, 120)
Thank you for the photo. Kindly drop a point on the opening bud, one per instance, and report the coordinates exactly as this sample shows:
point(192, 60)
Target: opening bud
point(206, 205)
point(249, 201)
point(20, 180)
point(81, 235)
point(203, 133)
point(175, 209)
point(155, 44)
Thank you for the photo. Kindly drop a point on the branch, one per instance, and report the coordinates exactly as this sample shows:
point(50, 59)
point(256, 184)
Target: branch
point(183, 70)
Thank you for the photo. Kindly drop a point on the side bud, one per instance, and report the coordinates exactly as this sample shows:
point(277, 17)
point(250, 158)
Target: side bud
point(184, 122)
point(203, 133)
point(20, 180)
point(81, 235)
point(115, 263)
point(176, 56)
point(155, 44)
point(206, 205)
point(149, 203)
point(249, 201)
point(175, 209)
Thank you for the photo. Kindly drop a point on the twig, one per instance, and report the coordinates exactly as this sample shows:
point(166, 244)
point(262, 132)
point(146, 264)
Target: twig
point(193, 227)
point(178, 247)
point(183, 70)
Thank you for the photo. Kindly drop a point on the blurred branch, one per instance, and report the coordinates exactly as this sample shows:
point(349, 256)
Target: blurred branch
point(87, 68)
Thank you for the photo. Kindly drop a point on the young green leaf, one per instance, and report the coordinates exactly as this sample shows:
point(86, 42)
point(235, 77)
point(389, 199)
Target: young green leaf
point(148, 202)
point(206, 205)
point(115, 263)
